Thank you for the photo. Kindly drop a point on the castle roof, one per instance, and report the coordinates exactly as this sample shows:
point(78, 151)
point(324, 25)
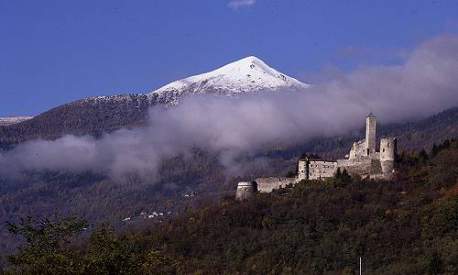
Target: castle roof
point(316, 158)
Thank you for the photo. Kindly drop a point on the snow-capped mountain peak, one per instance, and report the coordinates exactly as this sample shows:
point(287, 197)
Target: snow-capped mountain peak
point(246, 75)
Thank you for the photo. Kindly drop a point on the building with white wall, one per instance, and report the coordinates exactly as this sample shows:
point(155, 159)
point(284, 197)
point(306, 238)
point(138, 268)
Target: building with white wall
point(363, 160)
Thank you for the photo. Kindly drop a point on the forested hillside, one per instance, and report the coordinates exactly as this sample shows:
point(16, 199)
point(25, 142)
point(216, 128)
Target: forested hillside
point(99, 198)
point(405, 226)
point(95, 116)
point(414, 135)
point(91, 116)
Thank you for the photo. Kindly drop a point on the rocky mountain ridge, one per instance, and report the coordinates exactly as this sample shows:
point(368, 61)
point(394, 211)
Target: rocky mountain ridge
point(100, 114)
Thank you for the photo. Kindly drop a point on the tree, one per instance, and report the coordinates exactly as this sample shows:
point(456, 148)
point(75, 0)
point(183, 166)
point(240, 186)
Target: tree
point(109, 254)
point(338, 173)
point(46, 249)
point(341, 178)
point(435, 265)
point(423, 156)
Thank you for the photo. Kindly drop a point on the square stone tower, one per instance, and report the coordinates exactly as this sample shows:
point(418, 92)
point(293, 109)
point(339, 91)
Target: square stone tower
point(371, 124)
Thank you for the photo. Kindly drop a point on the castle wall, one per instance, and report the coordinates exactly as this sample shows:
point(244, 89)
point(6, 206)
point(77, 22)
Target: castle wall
point(376, 167)
point(245, 190)
point(358, 150)
point(266, 185)
point(318, 169)
point(387, 149)
point(363, 160)
point(361, 166)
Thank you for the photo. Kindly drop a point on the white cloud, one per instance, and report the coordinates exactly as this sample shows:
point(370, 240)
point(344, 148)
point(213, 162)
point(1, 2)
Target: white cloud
point(236, 4)
point(424, 84)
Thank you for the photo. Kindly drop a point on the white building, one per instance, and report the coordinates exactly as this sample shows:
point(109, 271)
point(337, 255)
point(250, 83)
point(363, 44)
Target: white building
point(363, 160)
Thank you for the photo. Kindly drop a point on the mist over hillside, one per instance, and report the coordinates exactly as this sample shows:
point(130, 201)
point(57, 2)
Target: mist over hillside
point(233, 126)
point(406, 225)
point(229, 137)
point(121, 157)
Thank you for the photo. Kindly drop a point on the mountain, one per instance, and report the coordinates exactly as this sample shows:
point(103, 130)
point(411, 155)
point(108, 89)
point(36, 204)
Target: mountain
point(97, 115)
point(247, 75)
point(5, 121)
point(412, 135)
point(407, 225)
point(93, 116)
point(99, 199)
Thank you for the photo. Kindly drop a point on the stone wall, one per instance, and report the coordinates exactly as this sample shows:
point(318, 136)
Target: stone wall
point(376, 167)
point(358, 150)
point(266, 185)
point(363, 160)
point(319, 169)
point(245, 190)
point(388, 148)
point(360, 167)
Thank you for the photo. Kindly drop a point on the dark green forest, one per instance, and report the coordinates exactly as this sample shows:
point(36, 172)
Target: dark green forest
point(408, 225)
point(101, 199)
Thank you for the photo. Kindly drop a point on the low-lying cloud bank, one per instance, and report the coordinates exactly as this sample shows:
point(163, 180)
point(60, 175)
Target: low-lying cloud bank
point(425, 84)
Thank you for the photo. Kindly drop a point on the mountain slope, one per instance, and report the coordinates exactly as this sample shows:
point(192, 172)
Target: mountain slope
point(413, 135)
point(90, 116)
point(248, 75)
point(96, 115)
point(407, 225)
point(98, 198)
point(5, 121)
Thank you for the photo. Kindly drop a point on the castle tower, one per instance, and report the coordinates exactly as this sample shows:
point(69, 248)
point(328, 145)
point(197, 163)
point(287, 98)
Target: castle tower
point(388, 148)
point(371, 124)
point(302, 170)
point(245, 190)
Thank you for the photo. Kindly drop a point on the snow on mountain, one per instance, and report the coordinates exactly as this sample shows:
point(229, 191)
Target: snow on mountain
point(5, 121)
point(95, 115)
point(247, 75)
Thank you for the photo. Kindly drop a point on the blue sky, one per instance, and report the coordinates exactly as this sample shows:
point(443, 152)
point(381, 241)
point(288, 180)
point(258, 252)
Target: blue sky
point(53, 52)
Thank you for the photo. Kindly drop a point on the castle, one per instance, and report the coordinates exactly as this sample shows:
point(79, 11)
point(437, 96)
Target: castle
point(363, 160)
